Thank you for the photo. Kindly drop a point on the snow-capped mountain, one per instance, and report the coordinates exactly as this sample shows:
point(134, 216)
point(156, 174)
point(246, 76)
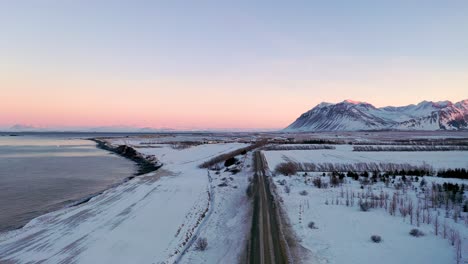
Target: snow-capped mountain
point(353, 115)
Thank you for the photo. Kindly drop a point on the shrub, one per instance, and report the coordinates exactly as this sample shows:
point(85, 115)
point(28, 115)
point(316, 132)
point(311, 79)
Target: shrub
point(422, 183)
point(311, 225)
point(230, 161)
point(235, 171)
point(376, 238)
point(317, 182)
point(249, 190)
point(334, 181)
point(365, 206)
point(304, 193)
point(353, 175)
point(286, 168)
point(201, 244)
point(416, 232)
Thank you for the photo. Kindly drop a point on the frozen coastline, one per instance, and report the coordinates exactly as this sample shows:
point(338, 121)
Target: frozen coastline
point(147, 219)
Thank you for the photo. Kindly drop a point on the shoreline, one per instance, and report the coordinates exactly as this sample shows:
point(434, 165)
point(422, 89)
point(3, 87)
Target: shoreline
point(144, 166)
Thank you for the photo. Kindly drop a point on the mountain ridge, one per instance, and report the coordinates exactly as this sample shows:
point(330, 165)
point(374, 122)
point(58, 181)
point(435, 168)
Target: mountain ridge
point(352, 115)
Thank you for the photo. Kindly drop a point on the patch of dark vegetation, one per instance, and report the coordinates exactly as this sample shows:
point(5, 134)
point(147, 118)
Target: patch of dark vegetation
point(376, 238)
point(448, 193)
point(453, 173)
point(311, 225)
point(416, 232)
point(235, 171)
point(230, 161)
point(144, 165)
point(201, 244)
point(364, 206)
point(286, 168)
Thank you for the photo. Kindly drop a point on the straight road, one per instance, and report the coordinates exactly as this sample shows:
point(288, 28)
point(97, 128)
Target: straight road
point(266, 244)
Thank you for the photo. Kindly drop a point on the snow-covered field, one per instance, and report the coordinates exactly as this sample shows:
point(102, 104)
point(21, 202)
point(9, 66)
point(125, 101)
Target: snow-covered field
point(344, 154)
point(342, 233)
point(149, 219)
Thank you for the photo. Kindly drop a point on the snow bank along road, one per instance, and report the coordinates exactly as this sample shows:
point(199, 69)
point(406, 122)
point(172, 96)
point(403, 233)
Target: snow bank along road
point(267, 244)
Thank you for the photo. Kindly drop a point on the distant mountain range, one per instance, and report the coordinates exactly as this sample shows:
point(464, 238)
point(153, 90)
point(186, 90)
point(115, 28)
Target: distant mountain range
point(352, 116)
point(102, 129)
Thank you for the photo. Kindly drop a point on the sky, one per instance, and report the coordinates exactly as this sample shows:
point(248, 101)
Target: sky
point(222, 64)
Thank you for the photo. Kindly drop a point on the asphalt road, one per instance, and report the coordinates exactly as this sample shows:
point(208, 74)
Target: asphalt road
point(265, 244)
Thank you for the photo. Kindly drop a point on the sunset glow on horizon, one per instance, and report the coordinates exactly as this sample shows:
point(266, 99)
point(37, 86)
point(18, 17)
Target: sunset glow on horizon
point(220, 66)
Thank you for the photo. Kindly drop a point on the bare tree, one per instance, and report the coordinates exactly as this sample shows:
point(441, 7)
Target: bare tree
point(444, 229)
point(452, 236)
point(436, 225)
point(458, 249)
point(418, 215)
point(393, 205)
point(410, 211)
point(456, 214)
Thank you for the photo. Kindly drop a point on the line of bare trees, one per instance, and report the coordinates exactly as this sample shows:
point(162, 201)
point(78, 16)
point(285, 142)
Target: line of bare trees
point(432, 142)
point(223, 157)
point(410, 148)
point(357, 167)
point(299, 147)
point(184, 144)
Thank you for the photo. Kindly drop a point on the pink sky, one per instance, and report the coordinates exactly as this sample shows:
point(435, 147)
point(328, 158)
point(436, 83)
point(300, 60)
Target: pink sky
point(47, 100)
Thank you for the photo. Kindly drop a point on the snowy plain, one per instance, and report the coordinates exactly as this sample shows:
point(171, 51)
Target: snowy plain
point(342, 233)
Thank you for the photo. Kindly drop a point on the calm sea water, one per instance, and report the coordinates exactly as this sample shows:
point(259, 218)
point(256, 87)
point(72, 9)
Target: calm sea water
point(42, 173)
